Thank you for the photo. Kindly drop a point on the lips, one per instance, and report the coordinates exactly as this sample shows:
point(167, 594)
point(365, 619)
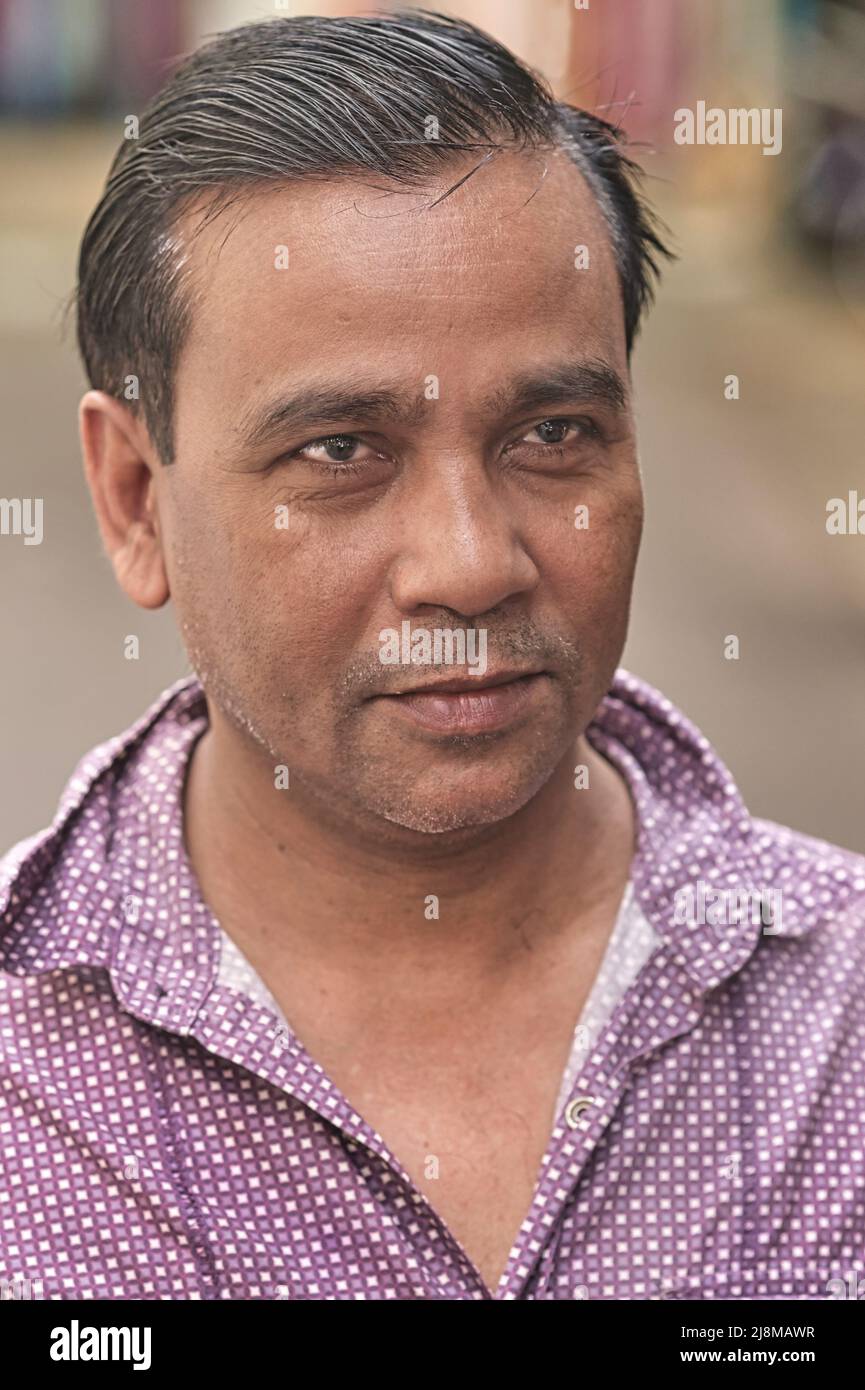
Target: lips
point(468, 707)
point(474, 686)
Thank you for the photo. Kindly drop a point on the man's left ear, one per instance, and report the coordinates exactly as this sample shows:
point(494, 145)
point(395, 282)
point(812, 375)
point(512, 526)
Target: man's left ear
point(119, 464)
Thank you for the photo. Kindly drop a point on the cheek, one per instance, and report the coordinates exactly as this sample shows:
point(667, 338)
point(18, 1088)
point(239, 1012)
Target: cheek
point(265, 588)
point(218, 575)
point(594, 562)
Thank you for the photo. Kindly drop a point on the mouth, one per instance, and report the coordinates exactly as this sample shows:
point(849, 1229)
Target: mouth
point(476, 685)
point(486, 704)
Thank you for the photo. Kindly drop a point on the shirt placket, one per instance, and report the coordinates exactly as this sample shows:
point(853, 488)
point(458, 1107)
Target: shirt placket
point(591, 1107)
point(249, 1035)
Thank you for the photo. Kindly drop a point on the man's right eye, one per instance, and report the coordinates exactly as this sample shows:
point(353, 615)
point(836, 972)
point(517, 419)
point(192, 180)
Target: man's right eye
point(337, 448)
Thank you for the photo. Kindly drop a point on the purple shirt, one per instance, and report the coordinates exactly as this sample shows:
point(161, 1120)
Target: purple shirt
point(161, 1137)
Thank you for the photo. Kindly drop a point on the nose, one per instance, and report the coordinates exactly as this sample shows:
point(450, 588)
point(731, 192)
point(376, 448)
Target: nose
point(460, 546)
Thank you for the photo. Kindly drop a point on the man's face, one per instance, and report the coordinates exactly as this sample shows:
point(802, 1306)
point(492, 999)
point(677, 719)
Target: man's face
point(454, 503)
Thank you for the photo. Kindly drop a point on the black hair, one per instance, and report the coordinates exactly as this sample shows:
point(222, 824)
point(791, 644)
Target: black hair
point(317, 98)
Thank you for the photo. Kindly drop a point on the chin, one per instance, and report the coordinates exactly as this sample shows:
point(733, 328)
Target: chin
point(433, 820)
point(464, 808)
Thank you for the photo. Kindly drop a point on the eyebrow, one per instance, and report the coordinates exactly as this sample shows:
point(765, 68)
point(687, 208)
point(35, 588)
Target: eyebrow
point(558, 384)
point(566, 381)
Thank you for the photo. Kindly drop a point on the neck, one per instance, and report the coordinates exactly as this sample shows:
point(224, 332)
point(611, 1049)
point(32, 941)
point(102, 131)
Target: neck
point(290, 879)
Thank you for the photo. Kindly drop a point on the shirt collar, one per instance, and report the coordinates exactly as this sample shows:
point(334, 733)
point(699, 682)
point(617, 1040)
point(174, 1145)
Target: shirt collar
point(105, 885)
point(109, 883)
point(695, 836)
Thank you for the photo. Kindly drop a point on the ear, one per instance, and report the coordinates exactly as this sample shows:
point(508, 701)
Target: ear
point(120, 465)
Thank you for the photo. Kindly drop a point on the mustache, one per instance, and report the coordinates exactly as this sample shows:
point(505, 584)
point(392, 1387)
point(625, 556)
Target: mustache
point(521, 644)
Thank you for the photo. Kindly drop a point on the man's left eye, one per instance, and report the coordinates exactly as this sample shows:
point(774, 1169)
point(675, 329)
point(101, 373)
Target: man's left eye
point(557, 431)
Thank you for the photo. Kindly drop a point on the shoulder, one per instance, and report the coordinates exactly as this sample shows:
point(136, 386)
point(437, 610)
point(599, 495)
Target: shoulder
point(54, 883)
point(806, 979)
point(824, 881)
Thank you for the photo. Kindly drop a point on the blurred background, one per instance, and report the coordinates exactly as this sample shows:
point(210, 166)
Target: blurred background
point(770, 286)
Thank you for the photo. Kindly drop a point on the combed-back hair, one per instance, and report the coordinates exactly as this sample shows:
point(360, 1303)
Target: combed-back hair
point(318, 98)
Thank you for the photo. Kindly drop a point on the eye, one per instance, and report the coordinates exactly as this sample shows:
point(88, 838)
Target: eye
point(332, 449)
point(550, 435)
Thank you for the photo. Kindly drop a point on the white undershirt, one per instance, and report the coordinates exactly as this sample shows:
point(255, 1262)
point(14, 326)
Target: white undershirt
point(631, 942)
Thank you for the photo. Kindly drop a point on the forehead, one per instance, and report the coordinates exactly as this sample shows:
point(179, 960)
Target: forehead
point(318, 274)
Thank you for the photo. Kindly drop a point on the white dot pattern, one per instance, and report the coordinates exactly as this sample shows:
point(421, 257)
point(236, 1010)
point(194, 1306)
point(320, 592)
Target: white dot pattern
point(162, 1137)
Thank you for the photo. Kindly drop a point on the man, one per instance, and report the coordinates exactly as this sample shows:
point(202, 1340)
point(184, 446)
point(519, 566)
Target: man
point(410, 949)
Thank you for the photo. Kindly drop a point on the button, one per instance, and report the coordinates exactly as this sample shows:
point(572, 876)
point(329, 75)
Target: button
point(576, 1108)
